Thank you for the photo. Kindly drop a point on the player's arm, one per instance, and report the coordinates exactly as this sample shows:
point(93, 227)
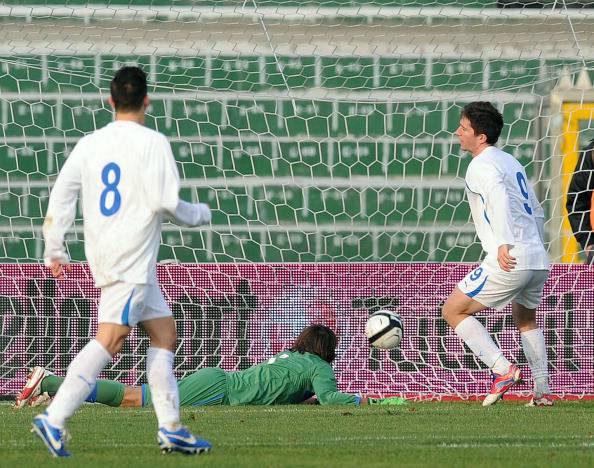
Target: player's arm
point(488, 183)
point(167, 191)
point(60, 213)
point(326, 389)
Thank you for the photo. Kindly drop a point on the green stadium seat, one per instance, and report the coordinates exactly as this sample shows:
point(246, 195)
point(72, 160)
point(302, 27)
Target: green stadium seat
point(184, 246)
point(344, 246)
point(71, 73)
point(192, 118)
point(330, 205)
point(347, 72)
point(290, 246)
point(303, 159)
point(413, 119)
point(355, 158)
point(237, 246)
point(520, 120)
point(279, 205)
point(390, 206)
point(85, 116)
point(177, 73)
point(251, 116)
point(403, 246)
point(297, 72)
point(156, 117)
point(444, 205)
point(196, 160)
point(457, 74)
point(22, 245)
point(34, 118)
point(232, 205)
point(402, 73)
point(307, 118)
point(457, 247)
point(512, 73)
point(414, 159)
point(361, 119)
point(456, 161)
point(246, 158)
point(237, 73)
point(21, 73)
point(30, 161)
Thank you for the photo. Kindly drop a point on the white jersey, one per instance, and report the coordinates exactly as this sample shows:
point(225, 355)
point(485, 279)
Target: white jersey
point(505, 209)
point(128, 179)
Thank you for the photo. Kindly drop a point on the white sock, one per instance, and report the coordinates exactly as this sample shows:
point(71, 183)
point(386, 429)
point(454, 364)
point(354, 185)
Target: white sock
point(477, 338)
point(535, 350)
point(164, 392)
point(79, 382)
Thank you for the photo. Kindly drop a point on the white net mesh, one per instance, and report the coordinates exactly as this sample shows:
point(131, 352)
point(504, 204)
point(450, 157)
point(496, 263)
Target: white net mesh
point(317, 131)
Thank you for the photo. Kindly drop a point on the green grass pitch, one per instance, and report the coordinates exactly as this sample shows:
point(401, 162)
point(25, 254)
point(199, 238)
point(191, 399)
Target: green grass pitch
point(419, 434)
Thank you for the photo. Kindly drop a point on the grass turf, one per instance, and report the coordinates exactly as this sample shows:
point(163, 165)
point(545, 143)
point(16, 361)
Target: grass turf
point(421, 434)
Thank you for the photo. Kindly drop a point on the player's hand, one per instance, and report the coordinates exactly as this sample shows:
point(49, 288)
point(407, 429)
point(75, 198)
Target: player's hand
point(389, 401)
point(59, 270)
point(506, 261)
point(311, 401)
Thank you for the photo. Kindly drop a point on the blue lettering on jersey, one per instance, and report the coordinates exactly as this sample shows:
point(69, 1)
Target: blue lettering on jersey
point(524, 190)
point(110, 187)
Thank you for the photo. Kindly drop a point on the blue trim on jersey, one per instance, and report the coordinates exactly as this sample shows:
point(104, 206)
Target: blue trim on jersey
point(485, 210)
point(126, 311)
point(92, 398)
point(358, 399)
point(143, 394)
point(220, 396)
point(479, 289)
point(483, 200)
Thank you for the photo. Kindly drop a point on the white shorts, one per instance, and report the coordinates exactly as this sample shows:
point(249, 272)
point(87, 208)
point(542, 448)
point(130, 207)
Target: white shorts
point(497, 288)
point(128, 304)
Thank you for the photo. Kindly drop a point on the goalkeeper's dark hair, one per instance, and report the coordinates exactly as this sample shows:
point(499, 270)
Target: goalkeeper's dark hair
point(317, 339)
point(128, 89)
point(484, 118)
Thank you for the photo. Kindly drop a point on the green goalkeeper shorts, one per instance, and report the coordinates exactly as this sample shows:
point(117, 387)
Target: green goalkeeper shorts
point(205, 387)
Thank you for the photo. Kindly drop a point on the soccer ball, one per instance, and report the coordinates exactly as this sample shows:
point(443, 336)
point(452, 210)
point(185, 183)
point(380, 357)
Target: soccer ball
point(384, 329)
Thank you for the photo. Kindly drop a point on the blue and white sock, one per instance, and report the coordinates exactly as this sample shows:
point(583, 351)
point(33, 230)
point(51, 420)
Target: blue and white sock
point(79, 382)
point(164, 391)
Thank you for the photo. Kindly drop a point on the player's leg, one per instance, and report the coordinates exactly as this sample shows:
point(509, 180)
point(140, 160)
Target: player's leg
point(78, 384)
point(106, 392)
point(533, 343)
point(482, 288)
point(160, 326)
point(205, 387)
point(117, 307)
point(458, 311)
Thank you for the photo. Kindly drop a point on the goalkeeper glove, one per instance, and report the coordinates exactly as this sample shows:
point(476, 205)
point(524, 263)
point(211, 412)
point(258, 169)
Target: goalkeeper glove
point(391, 401)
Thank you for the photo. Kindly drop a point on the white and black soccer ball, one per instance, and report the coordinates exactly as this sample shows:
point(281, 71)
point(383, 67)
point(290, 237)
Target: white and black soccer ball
point(384, 329)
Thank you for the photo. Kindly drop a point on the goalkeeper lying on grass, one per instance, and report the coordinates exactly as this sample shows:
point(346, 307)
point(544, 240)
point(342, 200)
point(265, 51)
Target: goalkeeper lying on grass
point(290, 377)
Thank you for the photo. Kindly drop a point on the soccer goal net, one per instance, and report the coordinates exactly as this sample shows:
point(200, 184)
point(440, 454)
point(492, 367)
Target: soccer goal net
point(322, 135)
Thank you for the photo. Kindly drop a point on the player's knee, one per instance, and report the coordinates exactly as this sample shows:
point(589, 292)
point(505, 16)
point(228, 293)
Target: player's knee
point(114, 345)
point(447, 311)
point(165, 340)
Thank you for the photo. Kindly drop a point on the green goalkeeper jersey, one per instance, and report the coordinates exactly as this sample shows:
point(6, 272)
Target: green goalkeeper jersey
point(289, 377)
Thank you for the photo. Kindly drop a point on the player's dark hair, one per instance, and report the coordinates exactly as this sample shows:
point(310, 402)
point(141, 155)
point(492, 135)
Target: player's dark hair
point(484, 119)
point(128, 89)
point(317, 339)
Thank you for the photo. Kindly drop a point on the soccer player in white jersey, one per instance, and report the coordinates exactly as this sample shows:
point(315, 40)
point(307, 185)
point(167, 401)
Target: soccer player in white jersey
point(509, 222)
point(128, 181)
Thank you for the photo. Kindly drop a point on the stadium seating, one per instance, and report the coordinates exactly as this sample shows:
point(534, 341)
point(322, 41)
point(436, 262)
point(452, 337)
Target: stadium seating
point(246, 154)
